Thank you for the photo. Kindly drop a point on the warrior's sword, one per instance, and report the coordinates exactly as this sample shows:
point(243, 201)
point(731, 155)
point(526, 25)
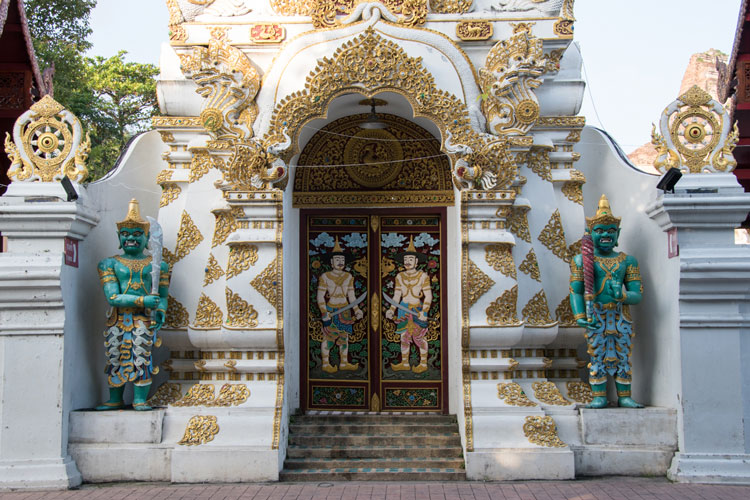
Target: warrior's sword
point(156, 245)
point(339, 311)
point(415, 314)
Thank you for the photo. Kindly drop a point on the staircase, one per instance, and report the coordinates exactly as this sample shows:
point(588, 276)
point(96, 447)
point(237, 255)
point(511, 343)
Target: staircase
point(373, 447)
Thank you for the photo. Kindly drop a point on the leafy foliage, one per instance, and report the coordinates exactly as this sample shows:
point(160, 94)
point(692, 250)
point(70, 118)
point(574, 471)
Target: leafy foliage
point(114, 99)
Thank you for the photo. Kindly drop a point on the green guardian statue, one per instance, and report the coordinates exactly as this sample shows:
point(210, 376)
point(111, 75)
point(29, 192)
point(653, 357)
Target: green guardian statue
point(138, 297)
point(601, 305)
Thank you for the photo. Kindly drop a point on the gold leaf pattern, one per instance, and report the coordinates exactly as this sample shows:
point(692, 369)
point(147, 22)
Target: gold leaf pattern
point(536, 312)
point(188, 237)
point(564, 313)
point(580, 391)
point(573, 191)
point(208, 314)
point(553, 237)
point(538, 162)
point(502, 312)
point(197, 395)
point(542, 431)
point(479, 283)
point(177, 315)
point(164, 176)
point(241, 257)
point(519, 224)
point(513, 394)
point(169, 193)
point(450, 6)
point(226, 223)
point(266, 283)
point(201, 429)
point(239, 312)
point(547, 392)
point(166, 394)
point(213, 270)
point(573, 250)
point(231, 395)
point(530, 266)
point(500, 257)
point(169, 257)
point(200, 165)
point(293, 7)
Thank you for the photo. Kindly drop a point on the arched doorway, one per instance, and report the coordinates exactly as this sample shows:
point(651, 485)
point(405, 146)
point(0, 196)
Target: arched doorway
point(373, 226)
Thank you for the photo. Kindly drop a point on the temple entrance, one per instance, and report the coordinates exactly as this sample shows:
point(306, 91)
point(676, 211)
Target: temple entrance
point(373, 326)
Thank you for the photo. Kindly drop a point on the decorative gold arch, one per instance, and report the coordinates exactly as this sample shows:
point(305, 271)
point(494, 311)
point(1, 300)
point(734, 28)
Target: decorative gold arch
point(370, 64)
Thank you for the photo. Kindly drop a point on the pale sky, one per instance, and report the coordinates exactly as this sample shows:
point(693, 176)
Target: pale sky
point(635, 52)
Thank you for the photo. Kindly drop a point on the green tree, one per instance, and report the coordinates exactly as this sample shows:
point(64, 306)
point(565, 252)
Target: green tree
point(124, 100)
point(59, 29)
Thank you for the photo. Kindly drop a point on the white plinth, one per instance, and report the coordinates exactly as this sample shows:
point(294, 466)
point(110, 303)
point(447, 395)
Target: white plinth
point(39, 474)
point(710, 468)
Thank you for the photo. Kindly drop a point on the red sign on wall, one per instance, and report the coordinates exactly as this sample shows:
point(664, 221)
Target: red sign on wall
point(71, 252)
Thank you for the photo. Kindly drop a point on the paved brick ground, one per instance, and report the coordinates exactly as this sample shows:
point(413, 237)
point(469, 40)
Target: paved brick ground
point(592, 489)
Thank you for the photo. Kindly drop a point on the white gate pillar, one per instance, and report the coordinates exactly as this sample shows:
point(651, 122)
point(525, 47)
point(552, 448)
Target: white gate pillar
point(714, 327)
point(34, 323)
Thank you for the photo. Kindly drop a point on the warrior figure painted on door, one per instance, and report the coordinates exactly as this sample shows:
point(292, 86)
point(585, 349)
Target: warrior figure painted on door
point(373, 329)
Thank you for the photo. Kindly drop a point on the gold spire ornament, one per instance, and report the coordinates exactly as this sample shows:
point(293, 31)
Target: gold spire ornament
point(603, 215)
point(411, 248)
point(133, 218)
point(336, 247)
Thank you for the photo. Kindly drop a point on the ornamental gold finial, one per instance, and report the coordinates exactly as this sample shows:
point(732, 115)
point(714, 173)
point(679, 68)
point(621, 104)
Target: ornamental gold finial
point(133, 218)
point(603, 214)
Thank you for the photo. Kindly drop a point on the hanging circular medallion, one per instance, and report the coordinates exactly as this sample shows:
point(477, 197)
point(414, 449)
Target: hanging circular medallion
point(527, 111)
point(373, 157)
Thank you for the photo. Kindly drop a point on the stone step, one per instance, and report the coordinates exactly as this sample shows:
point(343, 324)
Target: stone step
point(345, 439)
point(361, 428)
point(374, 463)
point(374, 474)
point(380, 418)
point(374, 451)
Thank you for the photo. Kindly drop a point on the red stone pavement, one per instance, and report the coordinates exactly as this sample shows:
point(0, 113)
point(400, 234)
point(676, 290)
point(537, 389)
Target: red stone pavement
point(586, 489)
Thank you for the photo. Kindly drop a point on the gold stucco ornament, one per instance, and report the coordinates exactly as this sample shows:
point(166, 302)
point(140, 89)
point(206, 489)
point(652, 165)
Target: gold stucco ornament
point(47, 144)
point(695, 135)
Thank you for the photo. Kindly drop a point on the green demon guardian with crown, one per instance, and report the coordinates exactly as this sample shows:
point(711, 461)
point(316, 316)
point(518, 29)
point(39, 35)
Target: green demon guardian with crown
point(601, 305)
point(136, 286)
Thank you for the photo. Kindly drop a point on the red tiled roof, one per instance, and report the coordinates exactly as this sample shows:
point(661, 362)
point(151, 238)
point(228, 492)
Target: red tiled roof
point(4, 9)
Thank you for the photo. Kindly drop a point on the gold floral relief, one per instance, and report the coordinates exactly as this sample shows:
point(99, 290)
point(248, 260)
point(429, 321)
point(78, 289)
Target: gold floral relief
point(241, 257)
point(579, 392)
point(573, 250)
point(470, 31)
point(573, 191)
point(500, 257)
point(197, 395)
point(231, 395)
point(239, 312)
point(451, 6)
point(177, 315)
point(530, 266)
point(169, 193)
point(538, 162)
point(213, 271)
point(553, 237)
point(293, 7)
point(226, 223)
point(169, 257)
point(165, 395)
point(266, 283)
point(342, 161)
point(547, 392)
point(513, 394)
point(502, 312)
point(370, 63)
point(208, 314)
point(542, 431)
point(413, 12)
point(188, 237)
point(201, 429)
point(561, 121)
point(201, 163)
point(536, 311)
point(518, 223)
point(478, 283)
point(564, 313)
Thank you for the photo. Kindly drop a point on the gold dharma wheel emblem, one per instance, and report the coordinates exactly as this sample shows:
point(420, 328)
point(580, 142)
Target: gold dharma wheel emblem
point(373, 157)
point(527, 111)
point(695, 132)
point(48, 142)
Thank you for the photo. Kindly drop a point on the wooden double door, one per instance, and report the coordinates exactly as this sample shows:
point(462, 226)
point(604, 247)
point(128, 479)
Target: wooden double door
point(373, 326)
